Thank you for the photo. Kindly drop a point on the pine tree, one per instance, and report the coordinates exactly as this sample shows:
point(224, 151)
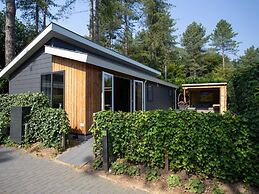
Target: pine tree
point(223, 39)
point(9, 30)
point(193, 40)
point(154, 45)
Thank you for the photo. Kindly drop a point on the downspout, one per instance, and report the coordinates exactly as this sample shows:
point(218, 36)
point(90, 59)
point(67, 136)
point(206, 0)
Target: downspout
point(144, 93)
point(175, 98)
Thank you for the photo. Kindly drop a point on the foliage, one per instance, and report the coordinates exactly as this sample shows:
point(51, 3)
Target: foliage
point(212, 144)
point(223, 38)
point(195, 186)
point(152, 174)
point(3, 85)
point(133, 171)
point(193, 40)
point(216, 189)
point(23, 35)
point(47, 125)
point(119, 167)
point(154, 43)
point(35, 100)
point(97, 163)
point(251, 58)
point(4, 122)
point(243, 96)
point(174, 180)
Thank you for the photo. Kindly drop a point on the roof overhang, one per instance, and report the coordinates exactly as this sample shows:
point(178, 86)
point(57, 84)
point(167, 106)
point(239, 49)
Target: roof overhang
point(106, 64)
point(204, 85)
point(56, 31)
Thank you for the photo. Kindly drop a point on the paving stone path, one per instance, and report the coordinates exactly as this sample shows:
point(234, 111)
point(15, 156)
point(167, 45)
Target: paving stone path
point(23, 173)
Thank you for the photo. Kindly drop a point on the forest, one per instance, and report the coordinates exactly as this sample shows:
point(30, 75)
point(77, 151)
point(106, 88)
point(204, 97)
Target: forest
point(143, 30)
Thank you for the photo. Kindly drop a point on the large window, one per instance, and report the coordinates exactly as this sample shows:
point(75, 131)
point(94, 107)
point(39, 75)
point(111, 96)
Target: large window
point(107, 92)
point(52, 84)
point(138, 96)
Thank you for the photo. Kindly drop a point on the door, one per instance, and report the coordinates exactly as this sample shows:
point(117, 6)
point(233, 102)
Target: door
point(107, 91)
point(138, 95)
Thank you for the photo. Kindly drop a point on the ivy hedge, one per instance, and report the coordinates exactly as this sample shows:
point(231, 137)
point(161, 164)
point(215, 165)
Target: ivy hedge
point(45, 124)
point(211, 144)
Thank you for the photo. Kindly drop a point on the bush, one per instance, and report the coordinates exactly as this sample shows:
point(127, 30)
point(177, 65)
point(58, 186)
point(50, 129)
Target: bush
point(4, 122)
point(119, 167)
point(133, 171)
point(212, 144)
point(97, 163)
point(47, 125)
point(174, 180)
point(35, 100)
point(244, 97)
point(3, 85)
point(152, 174)
point(195, 186)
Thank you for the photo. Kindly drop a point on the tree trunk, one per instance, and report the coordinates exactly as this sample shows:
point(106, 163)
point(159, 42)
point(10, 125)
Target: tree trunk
point(97, 24)
point(92, 35)
point(126, 35)
point(9, 31)
point(45, 14)
point(37, 16)
point(223, 61)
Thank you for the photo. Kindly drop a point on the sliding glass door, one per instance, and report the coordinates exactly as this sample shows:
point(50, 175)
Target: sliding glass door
point(138, 95)
point(107, 92)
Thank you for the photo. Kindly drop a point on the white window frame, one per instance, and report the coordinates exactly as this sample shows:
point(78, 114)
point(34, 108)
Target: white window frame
point(105, 73)
point(134, 94)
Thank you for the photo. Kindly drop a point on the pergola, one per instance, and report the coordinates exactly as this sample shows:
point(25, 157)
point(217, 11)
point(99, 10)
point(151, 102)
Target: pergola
point(206, 97)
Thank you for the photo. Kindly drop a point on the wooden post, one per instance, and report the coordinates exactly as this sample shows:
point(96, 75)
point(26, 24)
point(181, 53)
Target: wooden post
point(106, 163)
point(184, 95)
point(63, 141)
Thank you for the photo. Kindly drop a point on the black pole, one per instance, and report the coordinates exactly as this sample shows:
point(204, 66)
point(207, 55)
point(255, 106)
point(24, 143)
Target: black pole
point(106, 163)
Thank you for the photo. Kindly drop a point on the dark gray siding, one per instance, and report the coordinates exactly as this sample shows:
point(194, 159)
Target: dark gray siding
point(27, 77)
point(159, 96)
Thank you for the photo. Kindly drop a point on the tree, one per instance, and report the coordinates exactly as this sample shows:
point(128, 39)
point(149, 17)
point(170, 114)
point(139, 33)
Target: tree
point(23, 35)
point(223, 40)
point(36, 12)
point(154, 45)
point(193, 40)
point(9, 30)
point(250, 58)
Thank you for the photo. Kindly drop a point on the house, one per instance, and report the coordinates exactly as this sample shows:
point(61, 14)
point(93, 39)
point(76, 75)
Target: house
point(206, 97)
point(83, 77)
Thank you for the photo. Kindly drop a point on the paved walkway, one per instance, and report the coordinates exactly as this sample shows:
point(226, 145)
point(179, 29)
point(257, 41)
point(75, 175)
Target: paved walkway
point(22, 173)
point(78, 155)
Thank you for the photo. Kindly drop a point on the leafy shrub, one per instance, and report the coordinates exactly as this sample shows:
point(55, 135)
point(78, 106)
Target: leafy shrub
point(174, 180)
point(152, 174)
point(119, 167)
point(35, 100)
point(47, 125)
point(212, 144)
point(4, 122)
point(217, 190)
point(133, 171)
point(195, 186)
point(97, 164)
point(244, 98)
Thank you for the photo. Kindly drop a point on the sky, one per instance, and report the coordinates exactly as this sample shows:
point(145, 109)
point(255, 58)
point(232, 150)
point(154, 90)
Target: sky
point(242, 14)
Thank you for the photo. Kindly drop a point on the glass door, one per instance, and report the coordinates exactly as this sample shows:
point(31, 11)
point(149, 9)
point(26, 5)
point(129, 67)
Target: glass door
point(138, 95)
point(107, 92)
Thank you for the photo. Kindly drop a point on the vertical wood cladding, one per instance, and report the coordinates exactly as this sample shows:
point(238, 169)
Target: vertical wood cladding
point(82, 92)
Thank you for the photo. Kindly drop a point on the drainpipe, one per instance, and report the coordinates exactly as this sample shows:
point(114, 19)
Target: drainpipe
point(175, 98)
point(144, 93)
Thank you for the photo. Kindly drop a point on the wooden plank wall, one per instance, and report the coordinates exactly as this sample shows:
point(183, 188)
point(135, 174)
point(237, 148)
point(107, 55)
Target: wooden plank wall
point(82, 92)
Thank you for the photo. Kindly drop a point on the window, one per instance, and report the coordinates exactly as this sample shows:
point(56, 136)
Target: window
point(107, 92)
point(52, 84)
point(138, 95)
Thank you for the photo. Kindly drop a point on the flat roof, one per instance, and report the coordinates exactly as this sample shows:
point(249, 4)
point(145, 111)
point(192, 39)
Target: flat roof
point(205, 84)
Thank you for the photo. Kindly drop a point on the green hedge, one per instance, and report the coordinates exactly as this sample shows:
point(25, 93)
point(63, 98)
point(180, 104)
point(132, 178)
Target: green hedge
point(244, 97)
point(4, 122)
point(47, 126)
point(212, 144)
point(35, 100)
